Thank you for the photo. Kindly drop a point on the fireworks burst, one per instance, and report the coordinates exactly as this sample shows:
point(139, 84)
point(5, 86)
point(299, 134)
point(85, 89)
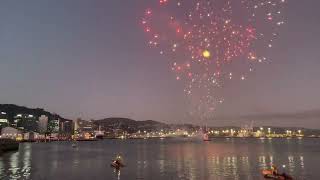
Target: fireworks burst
point(210, 42)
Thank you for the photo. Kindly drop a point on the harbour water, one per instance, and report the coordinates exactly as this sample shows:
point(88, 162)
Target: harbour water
point(169, 159)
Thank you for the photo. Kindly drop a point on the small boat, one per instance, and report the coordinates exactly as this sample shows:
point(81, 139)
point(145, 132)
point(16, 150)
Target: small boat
point(206, 137)
point(269, 175)
point(117, 163)
point(74, 145)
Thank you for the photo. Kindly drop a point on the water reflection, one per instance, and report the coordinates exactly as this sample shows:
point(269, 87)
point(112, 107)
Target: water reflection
point(233, 167)
point(16, 165)
point(165, 159)
point(291, 164)
point(117, 173)
point(199, 161)
point(302, 162)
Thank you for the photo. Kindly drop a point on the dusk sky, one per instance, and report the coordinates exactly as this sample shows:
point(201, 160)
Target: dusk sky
point(89, 59)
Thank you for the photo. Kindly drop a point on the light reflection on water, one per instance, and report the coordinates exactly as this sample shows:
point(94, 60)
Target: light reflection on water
point(16, 165)
point(163, 159)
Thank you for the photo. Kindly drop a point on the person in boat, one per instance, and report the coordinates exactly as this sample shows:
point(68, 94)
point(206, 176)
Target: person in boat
point(118, 162)
point(274, 174)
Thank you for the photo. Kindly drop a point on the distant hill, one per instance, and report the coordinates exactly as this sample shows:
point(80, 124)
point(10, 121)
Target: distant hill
point(12, 110)
point(129, 125)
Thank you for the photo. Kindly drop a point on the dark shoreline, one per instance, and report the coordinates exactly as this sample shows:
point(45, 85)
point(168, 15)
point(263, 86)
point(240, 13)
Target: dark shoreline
point(7, 145)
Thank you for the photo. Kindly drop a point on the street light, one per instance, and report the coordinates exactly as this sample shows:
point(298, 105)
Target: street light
point(269, 131)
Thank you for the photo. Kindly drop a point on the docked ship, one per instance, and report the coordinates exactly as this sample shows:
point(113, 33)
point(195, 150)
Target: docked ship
point(99, 134)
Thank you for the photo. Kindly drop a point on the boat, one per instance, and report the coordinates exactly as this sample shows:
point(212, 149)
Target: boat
point(206, 137)
point(269, 175)
point(99, 134)
point(117, 163)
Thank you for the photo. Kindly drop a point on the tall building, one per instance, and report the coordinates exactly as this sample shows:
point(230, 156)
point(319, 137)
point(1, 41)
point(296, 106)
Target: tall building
point(83, 125)
point(43, 123)
point(55, 125)
point(66, 126)
point(3, 119)
point(26, 122)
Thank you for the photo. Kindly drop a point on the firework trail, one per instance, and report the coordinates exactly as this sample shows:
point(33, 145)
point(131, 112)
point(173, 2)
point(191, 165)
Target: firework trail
point(210, 42)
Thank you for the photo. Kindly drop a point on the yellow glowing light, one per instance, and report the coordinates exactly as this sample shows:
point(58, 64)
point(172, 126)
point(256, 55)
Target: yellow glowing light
point(206, 54)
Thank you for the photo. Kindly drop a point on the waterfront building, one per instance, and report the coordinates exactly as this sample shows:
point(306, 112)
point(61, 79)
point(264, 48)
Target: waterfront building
point(65, 129)
point(66, 126)
point(83, 129)
point(31, 136)
point(10, 133)
point(3, 119)
point(26, 122)
point(54, 125)
point(259, 133)
point(83, 126)
point(43, 124)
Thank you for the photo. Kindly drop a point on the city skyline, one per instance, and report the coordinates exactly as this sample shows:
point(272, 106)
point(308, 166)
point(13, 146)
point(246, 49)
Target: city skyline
point(90, 60)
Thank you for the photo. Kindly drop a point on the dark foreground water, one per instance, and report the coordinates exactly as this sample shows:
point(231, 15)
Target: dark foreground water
point(163, 159)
